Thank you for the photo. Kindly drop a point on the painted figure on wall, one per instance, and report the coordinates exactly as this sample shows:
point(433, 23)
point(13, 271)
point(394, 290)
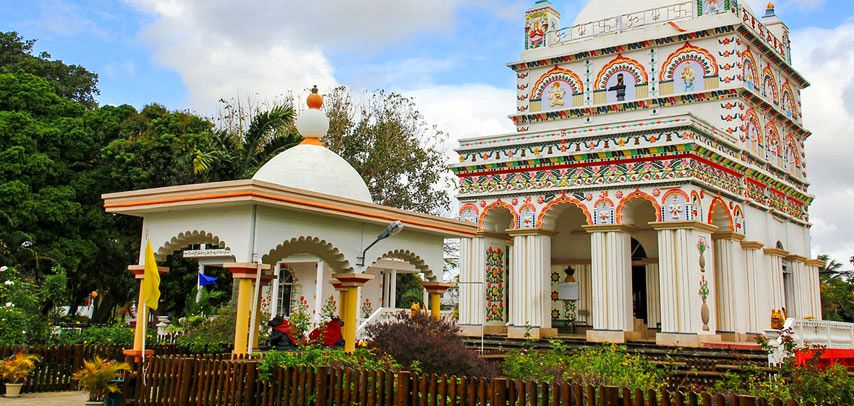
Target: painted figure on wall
point(688, 78)
point(619, 88)
point(556, 95)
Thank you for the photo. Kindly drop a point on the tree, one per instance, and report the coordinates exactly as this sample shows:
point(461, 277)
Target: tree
point(837, 291)
point(385, 138)
point(247, 138)
point(68, 81)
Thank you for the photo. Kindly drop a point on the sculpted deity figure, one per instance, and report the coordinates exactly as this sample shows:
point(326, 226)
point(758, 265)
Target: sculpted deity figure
point(556, 94)
point(688, 78)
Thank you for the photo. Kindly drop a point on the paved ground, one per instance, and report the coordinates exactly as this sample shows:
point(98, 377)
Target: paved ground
point(46, 399)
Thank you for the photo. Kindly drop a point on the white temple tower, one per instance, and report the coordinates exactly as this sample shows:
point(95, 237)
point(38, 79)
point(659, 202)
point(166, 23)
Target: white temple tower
point(659, 154)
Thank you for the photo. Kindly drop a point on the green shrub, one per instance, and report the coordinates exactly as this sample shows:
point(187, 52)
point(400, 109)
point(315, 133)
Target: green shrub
point(215, 335)
point(605, 365)
point(424, 344)
point(120, 334)
point(316, 356)
point(23, 318)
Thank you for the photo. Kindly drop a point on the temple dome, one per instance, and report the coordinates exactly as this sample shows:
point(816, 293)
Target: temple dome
point(310, 166)
point(596, 10)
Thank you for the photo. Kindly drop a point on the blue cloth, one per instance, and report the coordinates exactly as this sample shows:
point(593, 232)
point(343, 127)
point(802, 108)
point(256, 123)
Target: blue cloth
point(205, 280)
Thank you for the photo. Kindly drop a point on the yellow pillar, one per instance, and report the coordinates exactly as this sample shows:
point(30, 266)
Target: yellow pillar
point(435, 305)
point(244, 304)
point(352, 298)
point(435, 289)
point(347, 286)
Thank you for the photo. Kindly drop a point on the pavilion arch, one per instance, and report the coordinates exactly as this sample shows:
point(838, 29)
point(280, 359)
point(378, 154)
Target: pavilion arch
point(185, 239)
point(327, 252)
point(550, 213)
point(497, 215)
point(720, 216)
point(637, 194)
point(411, 258)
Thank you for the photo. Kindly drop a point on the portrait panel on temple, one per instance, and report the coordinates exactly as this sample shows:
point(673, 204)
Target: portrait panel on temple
point(688, 77)
point(621, 87)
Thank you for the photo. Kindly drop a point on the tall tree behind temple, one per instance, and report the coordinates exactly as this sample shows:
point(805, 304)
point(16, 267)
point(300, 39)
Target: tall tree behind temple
point(68, 81)
point(385, 138)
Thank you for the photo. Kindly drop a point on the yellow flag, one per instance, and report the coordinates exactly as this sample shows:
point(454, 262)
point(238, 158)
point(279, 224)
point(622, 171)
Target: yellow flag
point(150, 294)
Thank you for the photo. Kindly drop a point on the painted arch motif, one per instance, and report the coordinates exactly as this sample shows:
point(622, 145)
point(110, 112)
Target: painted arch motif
point(773, 145)
point(675, 206)
point(557, 87)
point(603, 212)
point(620, 79)
point(496, 204)
point(715, 208)
point(687, 67)
point(468, 212)
point(752, 131)
point(637, 194)
point(788, 100)
point(769, 85)
point(738, 219)
point(545, 215)
point(751, 75)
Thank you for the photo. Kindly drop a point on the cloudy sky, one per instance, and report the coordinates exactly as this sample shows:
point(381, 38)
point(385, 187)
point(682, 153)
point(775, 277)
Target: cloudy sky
point(448, 54)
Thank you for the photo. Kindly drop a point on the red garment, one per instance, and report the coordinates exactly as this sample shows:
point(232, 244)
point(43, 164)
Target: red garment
point(331, 333)
point(289, 330)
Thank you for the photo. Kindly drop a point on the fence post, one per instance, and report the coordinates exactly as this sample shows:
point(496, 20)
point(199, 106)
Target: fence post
point(402, 393)
point(185, 381)
point(320, 385)
point(249, 389)
point(499, 392)
point(612, 395)
point(78, 358)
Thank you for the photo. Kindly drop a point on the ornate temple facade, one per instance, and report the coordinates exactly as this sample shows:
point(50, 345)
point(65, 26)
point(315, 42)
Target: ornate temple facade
point(659, 158)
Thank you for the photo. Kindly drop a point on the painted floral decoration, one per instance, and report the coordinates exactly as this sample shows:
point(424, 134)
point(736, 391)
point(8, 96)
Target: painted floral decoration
point(704, 287)
point(701, 245)
point(367, 308)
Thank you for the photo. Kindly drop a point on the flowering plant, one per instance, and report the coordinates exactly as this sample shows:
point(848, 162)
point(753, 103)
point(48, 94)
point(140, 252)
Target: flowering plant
point(15, 368)
point(704, 287)
point(327, 312)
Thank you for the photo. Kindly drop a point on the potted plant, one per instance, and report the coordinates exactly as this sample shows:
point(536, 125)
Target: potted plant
point(14, 369)
point(97, 376)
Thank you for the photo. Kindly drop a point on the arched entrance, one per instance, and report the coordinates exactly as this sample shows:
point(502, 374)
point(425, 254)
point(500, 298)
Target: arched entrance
point(638, 213)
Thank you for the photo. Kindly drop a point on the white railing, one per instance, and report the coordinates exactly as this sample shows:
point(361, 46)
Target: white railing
point(828, 334)
point(380, 315)
point(629, 21)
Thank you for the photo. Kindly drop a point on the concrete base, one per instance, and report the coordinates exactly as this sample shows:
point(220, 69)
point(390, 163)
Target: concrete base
point(606, 336)
point(473, 330)
point(685, 340)
point(534, 333)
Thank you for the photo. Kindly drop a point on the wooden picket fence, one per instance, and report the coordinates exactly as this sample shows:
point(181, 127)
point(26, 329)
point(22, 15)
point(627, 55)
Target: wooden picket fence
point(176, 380)
point(59, 362)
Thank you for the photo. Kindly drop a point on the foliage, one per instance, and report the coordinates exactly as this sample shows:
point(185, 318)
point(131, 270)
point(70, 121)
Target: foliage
point(300, 318)
point(385, 138)
point(317, 356)
point(423, 342)
point(97, 375)
point(15, 368)
point(809, 382)
point(409, 290)
point(25, 304)
point(68, 81)
point(117, 333)
point(604, 365)
point(837, 291)
point(327, 312)
point(208, 302)
point(215, 335)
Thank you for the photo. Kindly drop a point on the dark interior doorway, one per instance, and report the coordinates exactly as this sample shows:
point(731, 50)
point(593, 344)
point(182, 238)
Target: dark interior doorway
point(638, 282)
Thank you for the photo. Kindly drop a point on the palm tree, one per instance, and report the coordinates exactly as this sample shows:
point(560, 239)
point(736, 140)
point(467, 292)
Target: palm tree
point(237, 154)
point(831, 269)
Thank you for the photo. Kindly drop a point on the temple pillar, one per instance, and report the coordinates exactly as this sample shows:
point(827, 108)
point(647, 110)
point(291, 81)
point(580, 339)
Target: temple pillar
point(435, 290)
point(653, 295)
point(348, 288)
point(730, 283)
point(758, 310)
point(483, 284)
point(141, 311)
point(472, 270)
point(244, 275)
point(687, 276)
point(611, 282)
point(530, 285)
point(775, 277)
point(802, 300)
point(813, 286)
point(266, 279)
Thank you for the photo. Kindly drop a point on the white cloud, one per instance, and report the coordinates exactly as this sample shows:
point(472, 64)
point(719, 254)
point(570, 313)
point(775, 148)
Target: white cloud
point(823, 56)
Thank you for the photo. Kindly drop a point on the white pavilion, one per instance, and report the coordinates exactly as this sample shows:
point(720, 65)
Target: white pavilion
point(659, 155)
point(304, 227)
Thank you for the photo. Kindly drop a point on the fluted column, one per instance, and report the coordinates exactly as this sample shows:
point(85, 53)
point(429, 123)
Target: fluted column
point(730, 281)
point(775, 277)
point(812, 279)
point(686, 269)
point(612, 282)
point(530, 286)
point(472, 269)
point(653, 295)
point(758, 288)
